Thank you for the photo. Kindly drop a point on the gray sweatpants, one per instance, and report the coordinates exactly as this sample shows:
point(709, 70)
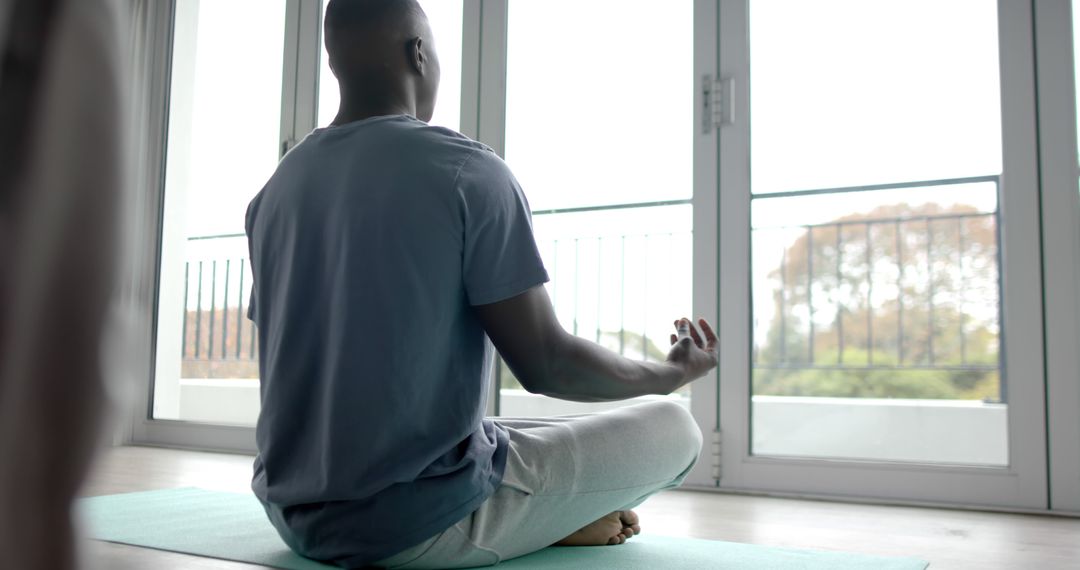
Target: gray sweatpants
point(561, 474)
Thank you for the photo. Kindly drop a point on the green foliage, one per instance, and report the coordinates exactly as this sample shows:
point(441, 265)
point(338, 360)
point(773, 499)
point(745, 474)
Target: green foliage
point(886, 381)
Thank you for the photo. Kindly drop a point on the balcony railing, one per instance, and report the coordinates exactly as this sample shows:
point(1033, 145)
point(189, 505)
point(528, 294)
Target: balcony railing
point(904, 278)
point(903, 289)
point(931, 359)
point(219, 341)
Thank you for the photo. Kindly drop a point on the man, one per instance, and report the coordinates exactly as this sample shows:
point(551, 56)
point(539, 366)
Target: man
point(385, 253)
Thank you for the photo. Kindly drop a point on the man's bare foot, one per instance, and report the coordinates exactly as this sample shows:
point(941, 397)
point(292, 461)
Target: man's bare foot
point(615, 528)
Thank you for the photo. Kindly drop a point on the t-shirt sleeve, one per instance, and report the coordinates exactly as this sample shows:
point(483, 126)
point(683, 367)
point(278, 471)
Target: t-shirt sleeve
point(500, 257)
point(249, 229)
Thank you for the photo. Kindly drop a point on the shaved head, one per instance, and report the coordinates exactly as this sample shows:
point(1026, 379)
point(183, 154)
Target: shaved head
point(383, 55)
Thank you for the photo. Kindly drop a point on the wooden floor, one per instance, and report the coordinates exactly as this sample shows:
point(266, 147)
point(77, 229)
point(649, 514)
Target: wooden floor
point(948, 539)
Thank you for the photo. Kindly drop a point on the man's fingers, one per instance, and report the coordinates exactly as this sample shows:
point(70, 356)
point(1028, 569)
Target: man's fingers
point(710, 335)
point(682, 328)
point(697, 337)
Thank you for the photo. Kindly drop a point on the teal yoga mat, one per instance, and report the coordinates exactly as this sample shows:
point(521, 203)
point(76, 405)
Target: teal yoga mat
point(234, 527)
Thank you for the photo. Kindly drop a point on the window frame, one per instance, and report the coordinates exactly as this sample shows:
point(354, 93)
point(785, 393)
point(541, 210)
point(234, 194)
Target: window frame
point(1060, 172)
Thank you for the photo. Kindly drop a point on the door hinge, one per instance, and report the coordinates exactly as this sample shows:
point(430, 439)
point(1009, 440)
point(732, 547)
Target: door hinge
point(719, 102)
point(717, 469)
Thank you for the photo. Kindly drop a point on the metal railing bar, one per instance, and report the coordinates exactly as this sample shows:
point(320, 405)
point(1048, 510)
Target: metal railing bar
point(874, 187)
point(225, 313)
point(671, 270)
point(960, 292)
point(198, 313)
point(810, 289)
point(240, 311)
point(622, 297)
point(183, 335)
point(839, 305)
point(627, 206)
point(899, 294)
point(554, 276)
point(645, 304)
point(599, 287)
point(216, 236)
point(783, 306)
point(869, 298)
point(618, 207)
point(577, 281)
point(930, 287)
point(213, 310)
point(880, 221)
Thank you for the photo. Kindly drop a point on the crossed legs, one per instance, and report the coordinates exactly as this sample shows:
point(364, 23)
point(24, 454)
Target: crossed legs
point(569, 480)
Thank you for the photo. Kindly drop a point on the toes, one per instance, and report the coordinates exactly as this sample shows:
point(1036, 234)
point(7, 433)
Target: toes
point(637, 528)
point(629, 518)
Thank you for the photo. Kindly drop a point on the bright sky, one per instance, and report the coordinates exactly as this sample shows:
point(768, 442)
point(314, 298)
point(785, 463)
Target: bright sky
point(600, 111)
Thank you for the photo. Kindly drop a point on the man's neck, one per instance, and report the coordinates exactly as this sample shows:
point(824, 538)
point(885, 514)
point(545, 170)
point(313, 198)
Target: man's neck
point(352, 111)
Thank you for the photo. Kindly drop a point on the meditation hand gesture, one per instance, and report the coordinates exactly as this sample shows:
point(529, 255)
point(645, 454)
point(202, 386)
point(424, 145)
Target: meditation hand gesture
point(690, 353)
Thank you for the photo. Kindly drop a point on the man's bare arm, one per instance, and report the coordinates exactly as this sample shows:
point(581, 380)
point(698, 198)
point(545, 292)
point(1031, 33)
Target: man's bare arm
point(548, 360)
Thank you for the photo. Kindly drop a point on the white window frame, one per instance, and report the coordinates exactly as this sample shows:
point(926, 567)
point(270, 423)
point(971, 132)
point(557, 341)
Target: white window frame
point(1061, 245)
point(298, 116)
point(1020, 485)
point(705, 392)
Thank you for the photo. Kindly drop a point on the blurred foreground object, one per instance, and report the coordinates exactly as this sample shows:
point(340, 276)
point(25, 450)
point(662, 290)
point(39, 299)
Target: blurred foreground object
point(61, 179)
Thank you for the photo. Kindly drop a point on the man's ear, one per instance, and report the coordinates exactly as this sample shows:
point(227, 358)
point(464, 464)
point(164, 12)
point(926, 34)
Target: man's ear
point(417, 57)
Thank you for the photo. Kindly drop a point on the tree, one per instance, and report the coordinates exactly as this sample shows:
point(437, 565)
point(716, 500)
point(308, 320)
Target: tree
point(901, 301)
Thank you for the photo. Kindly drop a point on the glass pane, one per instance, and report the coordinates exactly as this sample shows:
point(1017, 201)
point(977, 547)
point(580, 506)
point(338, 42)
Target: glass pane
point(446, 23)
point(876, 312)
point(619, 277)
point(224, 77)
point(582, 135)
point(849, 92)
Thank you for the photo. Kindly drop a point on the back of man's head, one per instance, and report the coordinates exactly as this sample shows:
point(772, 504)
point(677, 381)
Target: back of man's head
point(371, 31)
point(375, 46)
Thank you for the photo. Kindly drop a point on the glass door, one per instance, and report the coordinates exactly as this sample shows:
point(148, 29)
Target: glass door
point(876, 215)
point(225, 105)
point(606, 163)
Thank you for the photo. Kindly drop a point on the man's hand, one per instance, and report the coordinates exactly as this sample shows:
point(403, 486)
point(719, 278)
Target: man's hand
point(691, 353)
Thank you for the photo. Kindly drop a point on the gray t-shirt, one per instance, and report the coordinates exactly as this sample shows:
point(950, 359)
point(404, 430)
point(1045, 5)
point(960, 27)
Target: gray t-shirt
point(369, 245)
